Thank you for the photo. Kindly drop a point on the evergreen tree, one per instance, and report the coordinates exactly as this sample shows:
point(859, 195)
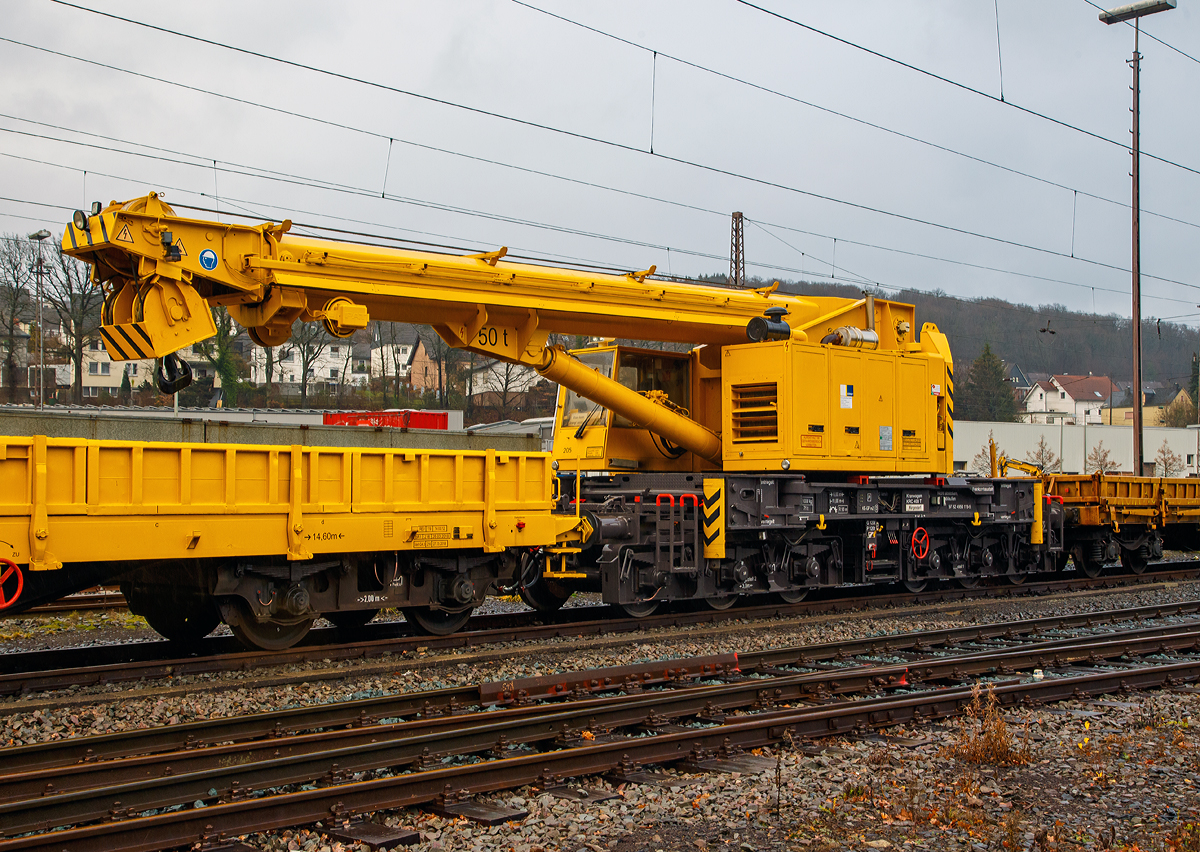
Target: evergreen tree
point(986, 394)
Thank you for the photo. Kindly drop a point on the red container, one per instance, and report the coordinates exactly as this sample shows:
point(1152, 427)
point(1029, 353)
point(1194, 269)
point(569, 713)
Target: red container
point(402, 419)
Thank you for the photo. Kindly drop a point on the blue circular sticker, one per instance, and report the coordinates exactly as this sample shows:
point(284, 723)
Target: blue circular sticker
point(208, 259)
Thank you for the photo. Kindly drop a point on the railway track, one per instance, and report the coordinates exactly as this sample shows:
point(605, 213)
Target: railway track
point(38, 671)
point(81, 602)
point(164, 787)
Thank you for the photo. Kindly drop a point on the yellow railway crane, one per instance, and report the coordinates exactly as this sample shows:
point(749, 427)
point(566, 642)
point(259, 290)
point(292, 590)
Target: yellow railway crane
point(698, 468)
point(776, 381)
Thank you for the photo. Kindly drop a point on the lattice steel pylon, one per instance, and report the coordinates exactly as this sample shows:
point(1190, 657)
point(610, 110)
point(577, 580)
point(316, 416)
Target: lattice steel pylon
point(737, 253)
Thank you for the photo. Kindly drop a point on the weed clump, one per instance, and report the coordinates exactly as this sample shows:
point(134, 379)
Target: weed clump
point(983, 736)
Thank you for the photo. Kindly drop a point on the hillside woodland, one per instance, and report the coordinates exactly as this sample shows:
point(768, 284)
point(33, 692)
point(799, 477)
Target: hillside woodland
point(1048, 339)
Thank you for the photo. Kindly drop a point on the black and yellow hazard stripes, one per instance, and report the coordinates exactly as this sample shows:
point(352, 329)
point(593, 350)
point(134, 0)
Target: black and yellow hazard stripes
point(950, 401)
point(712, 517)
point(126, 342)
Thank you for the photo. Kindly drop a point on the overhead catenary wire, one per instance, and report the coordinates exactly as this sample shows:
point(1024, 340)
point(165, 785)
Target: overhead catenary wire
point(849, 241)
point(1145, 34)
point(600, 140)
point(846, 116)
point(392, 139)
point(957, 84)
point(375, 236)
point(530, 170)
point(590, 184)
point(269, 174)
point(254, 172)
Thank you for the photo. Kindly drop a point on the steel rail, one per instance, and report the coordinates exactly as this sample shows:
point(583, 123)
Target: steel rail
point(47, 670)
point(338, 802)
point(76, 603)
point(64, 796)
point(278, 723)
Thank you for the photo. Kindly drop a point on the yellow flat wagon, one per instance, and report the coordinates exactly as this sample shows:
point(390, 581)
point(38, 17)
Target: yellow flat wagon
point(1126, 518)
point(268, 537)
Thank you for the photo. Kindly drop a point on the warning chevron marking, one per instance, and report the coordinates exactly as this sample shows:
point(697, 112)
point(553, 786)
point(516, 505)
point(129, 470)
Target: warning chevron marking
point(713, 523)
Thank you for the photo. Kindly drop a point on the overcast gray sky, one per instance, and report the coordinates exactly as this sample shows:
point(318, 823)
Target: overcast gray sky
point(289, 141)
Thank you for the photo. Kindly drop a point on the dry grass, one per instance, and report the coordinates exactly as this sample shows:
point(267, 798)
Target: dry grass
point(1186, 836)
point(983, 735)
point(30, 626)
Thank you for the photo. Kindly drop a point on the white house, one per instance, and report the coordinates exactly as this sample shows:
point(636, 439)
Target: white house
point(1070, 399)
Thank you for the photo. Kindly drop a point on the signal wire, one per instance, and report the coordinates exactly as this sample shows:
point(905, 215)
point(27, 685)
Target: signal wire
point(955, 83)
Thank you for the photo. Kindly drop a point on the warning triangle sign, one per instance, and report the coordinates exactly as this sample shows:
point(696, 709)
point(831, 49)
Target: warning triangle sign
point(124, 236)
point(182, 250)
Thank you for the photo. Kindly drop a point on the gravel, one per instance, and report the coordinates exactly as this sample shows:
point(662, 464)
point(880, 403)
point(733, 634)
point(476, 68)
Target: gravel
point(1129, 777)
point(115, 707)
point(1105, 774)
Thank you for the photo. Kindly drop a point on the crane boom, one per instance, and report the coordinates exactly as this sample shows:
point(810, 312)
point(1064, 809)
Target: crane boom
point(161, 273)
point(269, 277)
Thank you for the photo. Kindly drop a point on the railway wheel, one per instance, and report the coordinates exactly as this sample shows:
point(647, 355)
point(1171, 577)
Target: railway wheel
point(641, 609)
point(968, 582)
point(1084, 562)
point(181, 625)
point(792, 596)
point(179, 619)
point(720, 604)
point(542, 594)
point(351, 620)
point(1135, 561)
point(270, 635)
point(436, 622)
point(1016, 578)
point(916, 586)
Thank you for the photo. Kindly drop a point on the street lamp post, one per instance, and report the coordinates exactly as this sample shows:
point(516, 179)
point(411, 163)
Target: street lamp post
point(1134, 12)
point(37, 238)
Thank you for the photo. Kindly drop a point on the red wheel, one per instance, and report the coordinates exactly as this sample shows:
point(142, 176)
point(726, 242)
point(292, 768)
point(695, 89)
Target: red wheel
point(9, 570)
point(920, 543)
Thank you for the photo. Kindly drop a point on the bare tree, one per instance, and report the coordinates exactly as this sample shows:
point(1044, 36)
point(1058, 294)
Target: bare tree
point(446, 357)
point(389, 337)
point(16, 255)
point(1099, 460)
point(77, 301)
point(1168, 463)
point(1043, 457)
point(982, 463)
point(345, 368)
point(268, 367)
point(219, 352)
point(310, 340)
point(505, 383)
point(1181, 413)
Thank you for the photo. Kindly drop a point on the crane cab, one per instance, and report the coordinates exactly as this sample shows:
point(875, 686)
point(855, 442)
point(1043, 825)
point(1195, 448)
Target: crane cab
point(590, 437)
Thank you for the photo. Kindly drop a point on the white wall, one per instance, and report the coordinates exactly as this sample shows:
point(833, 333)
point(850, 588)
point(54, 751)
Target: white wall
point(1073, 443)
